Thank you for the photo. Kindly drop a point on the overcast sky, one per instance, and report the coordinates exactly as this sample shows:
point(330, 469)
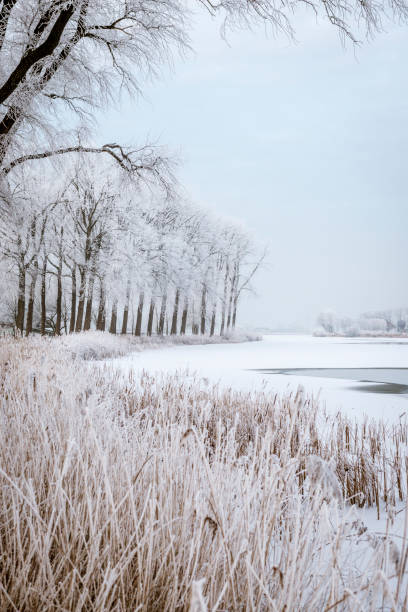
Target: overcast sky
point(307, 143)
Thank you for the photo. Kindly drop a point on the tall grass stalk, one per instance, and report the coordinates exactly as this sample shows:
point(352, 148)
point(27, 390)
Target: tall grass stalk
point(120, 492)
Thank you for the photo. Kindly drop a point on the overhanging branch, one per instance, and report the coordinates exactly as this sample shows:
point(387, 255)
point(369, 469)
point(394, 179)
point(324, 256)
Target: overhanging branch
point(139, 162)
point(116, 151)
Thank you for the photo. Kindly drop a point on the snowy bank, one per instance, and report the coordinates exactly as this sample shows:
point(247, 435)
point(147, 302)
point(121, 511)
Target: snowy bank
point(98, 345)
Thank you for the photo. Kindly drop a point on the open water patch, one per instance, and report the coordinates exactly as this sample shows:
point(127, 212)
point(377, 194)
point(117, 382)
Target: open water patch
point(372, 380)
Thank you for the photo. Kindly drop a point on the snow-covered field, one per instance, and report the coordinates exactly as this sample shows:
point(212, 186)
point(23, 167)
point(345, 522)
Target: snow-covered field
point(236, 365)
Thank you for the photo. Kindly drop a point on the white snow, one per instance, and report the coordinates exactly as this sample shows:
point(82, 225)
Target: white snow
point(231, 365)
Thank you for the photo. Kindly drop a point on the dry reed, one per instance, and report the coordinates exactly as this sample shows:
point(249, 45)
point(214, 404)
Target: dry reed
point(165, 493)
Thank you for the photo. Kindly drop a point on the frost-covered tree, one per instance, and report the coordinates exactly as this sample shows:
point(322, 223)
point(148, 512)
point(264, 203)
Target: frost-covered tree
point(328, 321)
point(73, 55)
point(60, 55)
point(101, 254)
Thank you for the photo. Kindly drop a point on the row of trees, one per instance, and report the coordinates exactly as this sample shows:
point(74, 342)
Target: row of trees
point(103, 255)
point(376, 322)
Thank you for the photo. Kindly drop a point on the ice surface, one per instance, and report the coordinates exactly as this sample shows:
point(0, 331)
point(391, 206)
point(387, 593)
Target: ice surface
point(234, 365)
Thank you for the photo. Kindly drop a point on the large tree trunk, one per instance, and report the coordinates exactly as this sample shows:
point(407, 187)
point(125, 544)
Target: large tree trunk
point(138, 329)
point(30, 309)
point(203, 309)
point(234, 315)
point(91, 285)
point(150, 319)
point(231, 295)
point(214, 305)
point(114, 317)
point(73, 299)
point(184, 318)
point(33, 56)
point(21, 298)
point(126, 309)
point(213, 318)
point(173, 330)
point(125, 319)
point(194, 325)
point(162, 314)
point(101, 319)
point(224, 300)
point(59, 292)
point(81, 300)
point(236, 296)
point(89, 301)
point(43, 289)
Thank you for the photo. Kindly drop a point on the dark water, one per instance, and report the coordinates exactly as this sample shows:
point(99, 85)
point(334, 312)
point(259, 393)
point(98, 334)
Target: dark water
point(384, 380)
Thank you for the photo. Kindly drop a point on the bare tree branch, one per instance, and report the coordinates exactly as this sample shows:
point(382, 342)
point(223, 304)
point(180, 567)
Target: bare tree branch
point(138, 163)
point(5, 12)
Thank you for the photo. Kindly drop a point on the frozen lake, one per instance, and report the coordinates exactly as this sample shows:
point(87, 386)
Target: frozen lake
point(384, 380)
point(359, 376)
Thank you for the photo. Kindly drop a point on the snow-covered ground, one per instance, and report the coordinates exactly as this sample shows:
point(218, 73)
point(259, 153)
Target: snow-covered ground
point(235, 365)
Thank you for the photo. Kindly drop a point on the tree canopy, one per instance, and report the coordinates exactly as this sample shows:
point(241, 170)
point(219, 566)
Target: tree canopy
point(77, 54)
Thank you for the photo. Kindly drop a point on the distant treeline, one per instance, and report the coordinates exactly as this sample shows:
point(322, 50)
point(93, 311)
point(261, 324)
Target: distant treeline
point(388, 322)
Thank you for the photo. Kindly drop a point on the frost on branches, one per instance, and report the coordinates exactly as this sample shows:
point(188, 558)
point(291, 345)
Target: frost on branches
point(74, 55)
point(98, 254)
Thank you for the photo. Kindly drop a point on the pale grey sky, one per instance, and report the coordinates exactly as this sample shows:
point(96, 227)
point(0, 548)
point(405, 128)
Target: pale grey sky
point(305, 142)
